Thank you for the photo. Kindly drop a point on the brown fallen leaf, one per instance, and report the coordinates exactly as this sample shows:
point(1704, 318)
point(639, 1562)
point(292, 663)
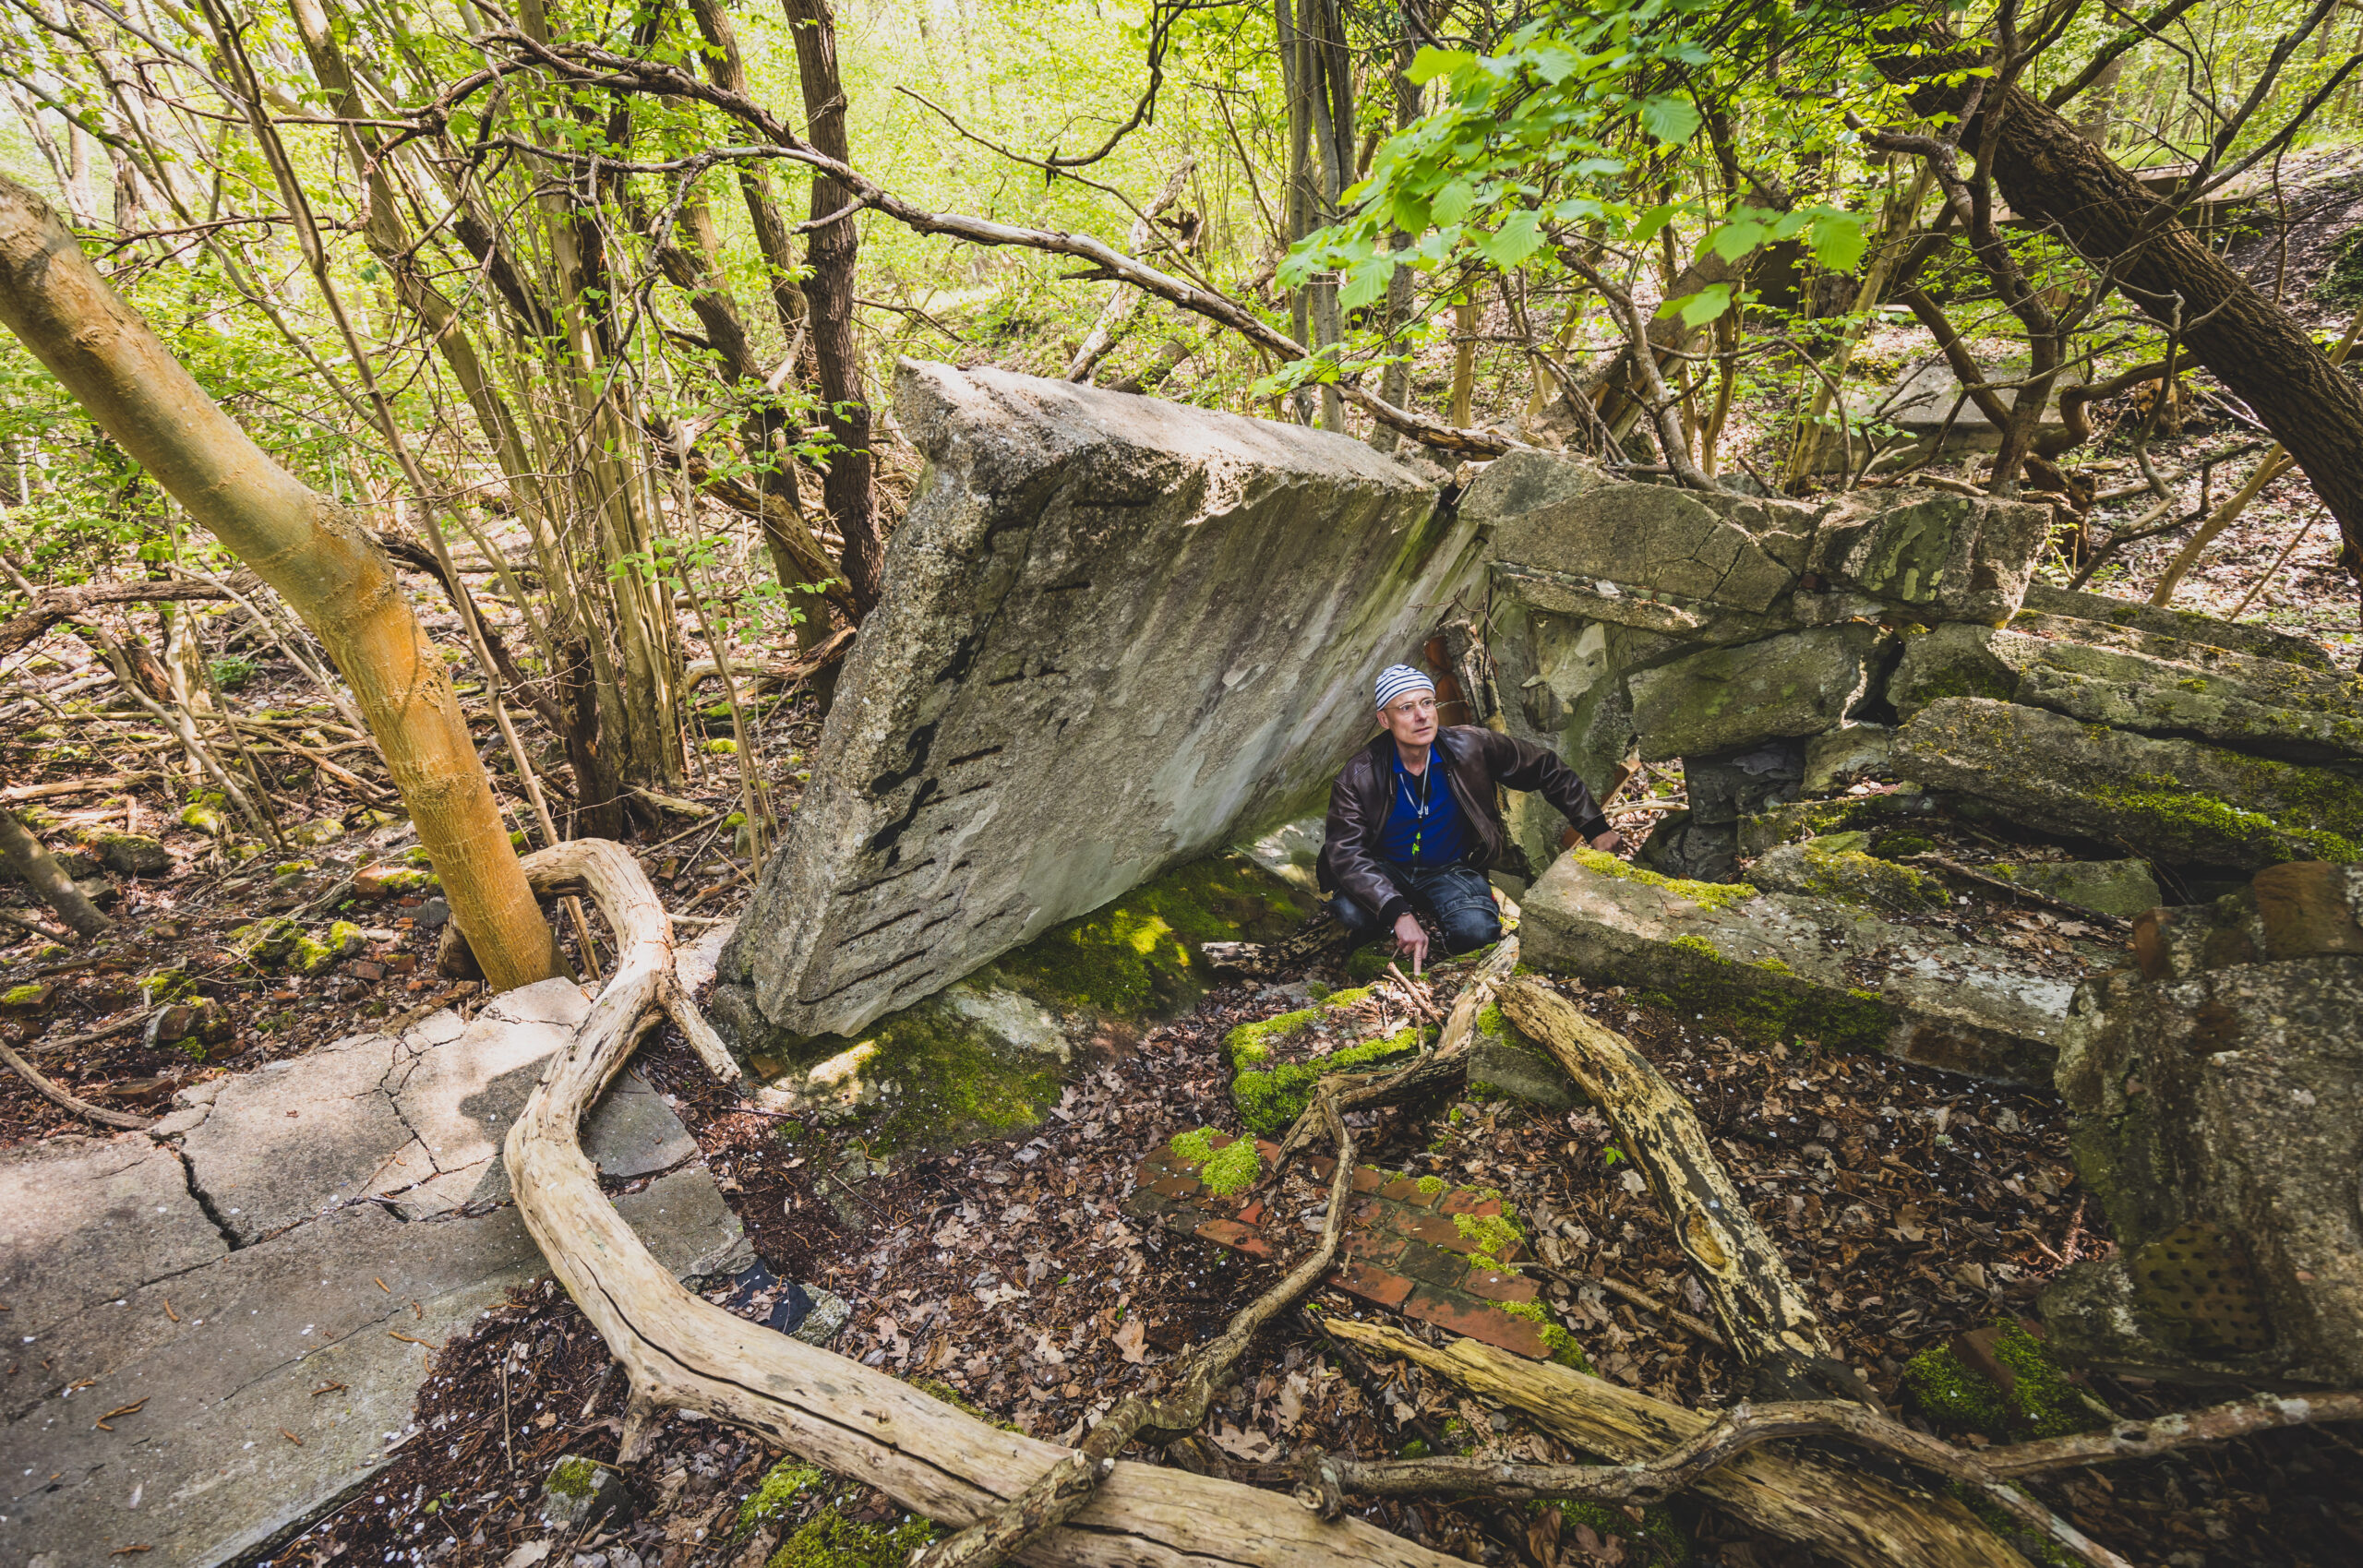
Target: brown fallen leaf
point(380, 1283)
point(1129, 1339)
point(130, 1409)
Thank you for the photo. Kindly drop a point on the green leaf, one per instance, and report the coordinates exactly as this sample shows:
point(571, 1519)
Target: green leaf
point(1451, 203)
point(1366, 283)
point(1705, 305)
point(1733, 241)
point(1430, 64)
point(1514, 241)
point(1837, 242)
point(1670, 120)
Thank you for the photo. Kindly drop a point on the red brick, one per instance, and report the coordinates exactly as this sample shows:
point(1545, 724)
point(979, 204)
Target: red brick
point(1377, 1246)
point(1438, 1231)
point(1495, 1285)
point(1431, 1263)
point(1367, 1180)
point(1407, 1190)
point(1321, 1166)
point(1269, 1150)
point(1366, 1212)
point(1236, 1236)
point(1252, 1213)
point(1464, 1201)
point(1459, 1314)
point(1375, 1285)
point(1177, 1186)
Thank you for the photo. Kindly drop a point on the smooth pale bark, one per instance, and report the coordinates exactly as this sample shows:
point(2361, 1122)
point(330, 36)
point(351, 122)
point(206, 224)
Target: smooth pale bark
point(316, 554)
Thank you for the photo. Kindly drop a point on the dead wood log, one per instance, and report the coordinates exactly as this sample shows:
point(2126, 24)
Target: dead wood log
point(679, 1352)
point(1852, 1516)
point(27, 857)
point(51, 606)
point(1734, 1432)
point(1764, 1314)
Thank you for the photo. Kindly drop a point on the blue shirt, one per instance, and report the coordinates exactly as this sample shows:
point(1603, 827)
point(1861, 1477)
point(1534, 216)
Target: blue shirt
point(1425, 826)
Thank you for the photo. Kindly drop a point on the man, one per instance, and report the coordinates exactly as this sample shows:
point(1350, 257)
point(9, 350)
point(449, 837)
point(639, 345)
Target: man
point(1413, 821)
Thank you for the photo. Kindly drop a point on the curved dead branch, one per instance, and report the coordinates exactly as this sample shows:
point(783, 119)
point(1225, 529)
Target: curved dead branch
point(683, 1353)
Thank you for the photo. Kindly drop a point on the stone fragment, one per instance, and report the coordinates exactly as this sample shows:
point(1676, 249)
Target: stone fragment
point(2123, 888)
point(2125, 623)
point(2218, 1105)
point(2173, 800)
point(132, 854)
point(1120, 630)
point(1929, 402)
point(321, 830)
point(1786, 966)
point(1828, 869)
point(827, 1318)
point(1843, 756)
point(33, 996)
point(1944, 555)
point(579, 1494)
point(2164, 686)
point(1793, 685)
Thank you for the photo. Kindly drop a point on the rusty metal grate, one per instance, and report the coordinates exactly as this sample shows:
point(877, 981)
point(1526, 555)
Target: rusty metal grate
point(2198, 1277)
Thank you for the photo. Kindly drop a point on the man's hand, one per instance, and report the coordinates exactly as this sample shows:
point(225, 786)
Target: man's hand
point(1412, 937)
point(1609, 842)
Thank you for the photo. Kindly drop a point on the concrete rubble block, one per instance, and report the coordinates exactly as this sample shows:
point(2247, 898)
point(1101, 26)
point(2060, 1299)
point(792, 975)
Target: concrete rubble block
point(2123, 888)
point(1843, 756)
point(579, 1494)
point(2175, 800)
point(323, 1331)
point(2124, 623)
point(1786, 966)
point(1120, 632)
point(1700, 842)
point(2218, 1101)
point(1928, 402)
point(84, 1220)
point(1654, 541)
point(2163, 685)
point(1944, 555)
point(1837, 866)
point(1788, 821)
point(1796, 684)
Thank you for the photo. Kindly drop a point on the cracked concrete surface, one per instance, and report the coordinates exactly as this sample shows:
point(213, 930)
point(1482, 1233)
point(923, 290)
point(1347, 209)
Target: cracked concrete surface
point(274, 1356)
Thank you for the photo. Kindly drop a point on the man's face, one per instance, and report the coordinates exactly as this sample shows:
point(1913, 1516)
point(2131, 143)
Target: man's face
point(1411, 718)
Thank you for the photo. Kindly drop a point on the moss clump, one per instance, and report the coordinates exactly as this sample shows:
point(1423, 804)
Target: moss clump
point(1895, 847)
point(35, 995)
point(776, 1494)
point(1138, 956)
point(309, 955)
point(2183, 814)
point(1700, 946)
point(573, 1477)
point(1491, 1235)
point(951, 1395)
point(1709, 895)
point(2041, 1402)
point(831, 1541)
point(1231, 1168)
point(1253, 1043)
point(721, 747)
point(1430, 1186)
point(1269, 1101)
point(1852, 876)
point(203, 817)
point(934, 1079)
point(1561, 1344)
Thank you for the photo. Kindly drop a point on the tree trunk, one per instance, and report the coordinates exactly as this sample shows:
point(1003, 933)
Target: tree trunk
point(316, 553)
point(830, 256)
point(46, 877)
point(2051, 174)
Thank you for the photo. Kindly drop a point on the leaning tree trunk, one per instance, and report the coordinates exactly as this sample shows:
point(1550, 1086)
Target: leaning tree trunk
point(311, 549)
point(2051, 174)
point(830, 255)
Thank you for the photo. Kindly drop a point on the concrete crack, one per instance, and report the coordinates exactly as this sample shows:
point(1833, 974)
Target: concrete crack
point(204, 1202)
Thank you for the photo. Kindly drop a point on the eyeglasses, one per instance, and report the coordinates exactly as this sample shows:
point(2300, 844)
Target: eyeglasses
point(1412, 706)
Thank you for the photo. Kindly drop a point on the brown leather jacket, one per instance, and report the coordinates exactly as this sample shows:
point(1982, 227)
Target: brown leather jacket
point(1475, 761)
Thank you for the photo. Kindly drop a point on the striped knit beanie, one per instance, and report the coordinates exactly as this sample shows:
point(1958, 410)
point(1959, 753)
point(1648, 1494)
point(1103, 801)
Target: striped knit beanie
point(1397, 679)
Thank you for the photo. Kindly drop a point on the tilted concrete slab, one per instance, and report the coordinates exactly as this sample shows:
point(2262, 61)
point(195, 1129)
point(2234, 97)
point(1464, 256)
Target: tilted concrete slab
point(1118, 633)
point(1786, 965)
point(237, 1333)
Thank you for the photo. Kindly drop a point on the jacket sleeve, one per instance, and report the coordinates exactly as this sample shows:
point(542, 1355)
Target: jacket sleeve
point(1520, 764)
point(1351, 845)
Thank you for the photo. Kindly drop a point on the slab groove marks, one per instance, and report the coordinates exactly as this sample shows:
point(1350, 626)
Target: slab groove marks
point(1405, 1248)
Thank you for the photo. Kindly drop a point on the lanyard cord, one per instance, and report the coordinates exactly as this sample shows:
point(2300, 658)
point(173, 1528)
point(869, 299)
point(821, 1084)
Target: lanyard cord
point(1418, 807)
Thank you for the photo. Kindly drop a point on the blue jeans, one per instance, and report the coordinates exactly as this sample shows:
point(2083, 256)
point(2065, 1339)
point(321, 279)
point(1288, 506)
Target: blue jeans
point(1457, 895)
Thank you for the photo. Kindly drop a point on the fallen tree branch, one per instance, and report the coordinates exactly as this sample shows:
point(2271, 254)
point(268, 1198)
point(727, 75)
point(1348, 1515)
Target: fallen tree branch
point(1764, 1314)
point(1839, 1509)
point(2140, 1439)
point(51, 606)
point(679, 1352)
point(49, 1090)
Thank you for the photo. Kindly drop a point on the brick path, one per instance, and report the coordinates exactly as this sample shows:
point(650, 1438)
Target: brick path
point(1403, 1252)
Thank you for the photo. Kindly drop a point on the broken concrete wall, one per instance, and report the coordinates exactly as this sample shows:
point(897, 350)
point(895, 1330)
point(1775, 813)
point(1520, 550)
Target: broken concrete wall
point(2218, 1092)
point(1120, 632)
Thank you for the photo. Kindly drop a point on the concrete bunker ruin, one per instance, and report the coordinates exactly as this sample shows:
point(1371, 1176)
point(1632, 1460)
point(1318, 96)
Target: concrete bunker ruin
point(1124, 636)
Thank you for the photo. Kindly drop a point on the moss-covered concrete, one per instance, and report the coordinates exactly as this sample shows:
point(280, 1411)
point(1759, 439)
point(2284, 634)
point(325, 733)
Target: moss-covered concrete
point(1849, 877)
point(1269, 1100)
point(1707, 895)
point(2039, 1400)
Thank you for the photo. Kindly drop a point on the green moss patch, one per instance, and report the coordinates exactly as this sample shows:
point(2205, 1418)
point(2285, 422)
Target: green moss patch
point(1711, 895)
point(777, 1492)
point(1491, 1235)
point(1268, 1101)
point(929, 1078)
point(1226, 1170)
point(831, 1541)
point(2039, 1402)
point(1138, 956)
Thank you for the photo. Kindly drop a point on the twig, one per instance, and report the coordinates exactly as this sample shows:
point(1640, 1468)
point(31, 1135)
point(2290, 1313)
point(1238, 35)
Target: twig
point(50, 1092)
point(1640, 1299)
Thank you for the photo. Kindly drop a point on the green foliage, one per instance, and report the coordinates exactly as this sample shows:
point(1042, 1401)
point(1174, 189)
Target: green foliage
point(1230, 1169)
